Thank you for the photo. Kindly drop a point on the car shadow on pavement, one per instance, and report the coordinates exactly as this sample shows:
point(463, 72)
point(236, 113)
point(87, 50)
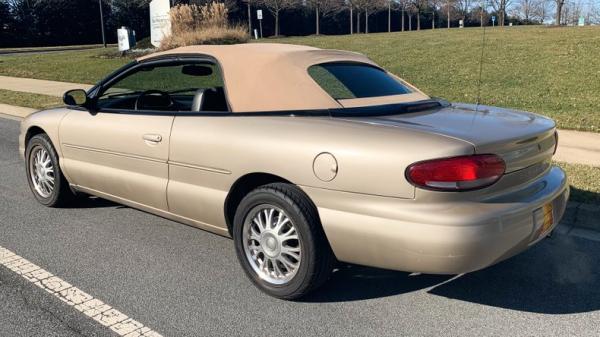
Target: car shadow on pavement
point(353, 283)
point(92, 202)
point(561, 275)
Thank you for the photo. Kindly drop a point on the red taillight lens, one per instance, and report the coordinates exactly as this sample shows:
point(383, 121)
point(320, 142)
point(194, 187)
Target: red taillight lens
point(458, 173)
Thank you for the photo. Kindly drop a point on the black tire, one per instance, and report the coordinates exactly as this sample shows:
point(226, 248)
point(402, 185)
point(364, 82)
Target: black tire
point(61, 195)
point(317, 258)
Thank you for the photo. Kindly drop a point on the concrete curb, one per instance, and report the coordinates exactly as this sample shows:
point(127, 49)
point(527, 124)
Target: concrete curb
point(581, 220)
point(15, 111)
point(582, 215)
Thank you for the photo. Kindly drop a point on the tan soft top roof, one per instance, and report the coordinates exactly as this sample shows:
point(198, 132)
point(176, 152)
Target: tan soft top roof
point(272, 77)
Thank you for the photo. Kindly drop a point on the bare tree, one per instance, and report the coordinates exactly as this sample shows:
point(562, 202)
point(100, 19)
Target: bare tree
point(449, 4)
point(594, 14)
point(500, 7)
point(435, 5)
point(249, 4)
point(418, 6)
point(276, 6)
point(559, 10)
point(324, 8)
point(403, 5)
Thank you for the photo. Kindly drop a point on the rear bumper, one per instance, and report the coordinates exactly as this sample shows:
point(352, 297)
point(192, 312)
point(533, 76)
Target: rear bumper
point(438, 238)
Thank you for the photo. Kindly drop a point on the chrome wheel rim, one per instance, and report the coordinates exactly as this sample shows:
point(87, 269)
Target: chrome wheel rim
point(41, 171)
point(272, 244)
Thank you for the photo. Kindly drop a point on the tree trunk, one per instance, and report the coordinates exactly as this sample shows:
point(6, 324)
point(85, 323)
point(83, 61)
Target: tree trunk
point(448, 14)
point(402, 18)
point(367, 21)
point(433, 19)
point(419, 19)
point(318, 29)
point(559, 7)
point(481, 17)
point(358, 22)
point(389, 16)
point(249, 19)
point(409, 22)
point(276, 23)
point(351, 21)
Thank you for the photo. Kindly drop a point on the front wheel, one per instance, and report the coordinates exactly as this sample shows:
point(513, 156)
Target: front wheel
point(280, 243)
point(45, 178)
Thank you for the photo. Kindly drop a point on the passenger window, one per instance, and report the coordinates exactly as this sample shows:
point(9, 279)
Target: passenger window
point(189, 86)
point(345, 80)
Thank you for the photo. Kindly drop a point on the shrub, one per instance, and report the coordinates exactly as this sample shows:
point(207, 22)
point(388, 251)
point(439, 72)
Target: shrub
point(206, 24)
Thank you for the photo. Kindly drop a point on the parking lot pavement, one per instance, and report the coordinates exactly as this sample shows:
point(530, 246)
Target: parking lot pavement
point(181, 281)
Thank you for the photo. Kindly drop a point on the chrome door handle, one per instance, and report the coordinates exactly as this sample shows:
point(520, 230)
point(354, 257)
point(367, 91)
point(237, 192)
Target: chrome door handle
point(153, 138)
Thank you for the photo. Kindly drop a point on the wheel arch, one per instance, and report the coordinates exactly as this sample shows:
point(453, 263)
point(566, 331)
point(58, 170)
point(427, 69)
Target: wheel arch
point(33, 131)
point(244, 185)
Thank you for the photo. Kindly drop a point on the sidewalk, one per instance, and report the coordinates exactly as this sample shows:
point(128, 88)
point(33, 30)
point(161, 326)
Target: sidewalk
point(50, 88)
point(575, 147)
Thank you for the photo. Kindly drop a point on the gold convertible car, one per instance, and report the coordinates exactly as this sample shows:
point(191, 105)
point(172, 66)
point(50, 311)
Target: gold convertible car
point(305, 157)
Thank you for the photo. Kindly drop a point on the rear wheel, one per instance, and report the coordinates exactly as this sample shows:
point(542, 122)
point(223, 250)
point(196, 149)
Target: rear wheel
point(45, 178)
point(280, 243)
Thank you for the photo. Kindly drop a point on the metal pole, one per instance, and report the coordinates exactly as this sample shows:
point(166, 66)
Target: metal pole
point(261, 34)
point(102, 23)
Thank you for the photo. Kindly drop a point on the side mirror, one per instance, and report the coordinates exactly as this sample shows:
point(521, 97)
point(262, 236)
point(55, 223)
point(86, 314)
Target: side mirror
point(75, 97)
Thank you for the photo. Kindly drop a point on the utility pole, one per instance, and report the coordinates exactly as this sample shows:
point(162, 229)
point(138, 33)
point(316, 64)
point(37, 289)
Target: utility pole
point(102, 23)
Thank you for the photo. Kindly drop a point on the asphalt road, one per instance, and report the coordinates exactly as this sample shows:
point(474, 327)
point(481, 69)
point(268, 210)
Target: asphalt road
point(181, 281)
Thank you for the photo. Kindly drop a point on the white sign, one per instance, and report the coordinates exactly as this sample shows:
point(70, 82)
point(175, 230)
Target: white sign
point(123, 37)
point(461, 24)
point(259, 14)
point(160, 22)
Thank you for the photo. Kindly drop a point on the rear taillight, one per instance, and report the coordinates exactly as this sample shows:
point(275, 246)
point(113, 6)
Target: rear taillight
point(457, 173)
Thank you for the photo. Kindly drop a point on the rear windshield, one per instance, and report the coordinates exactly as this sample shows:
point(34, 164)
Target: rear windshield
point(355, 80)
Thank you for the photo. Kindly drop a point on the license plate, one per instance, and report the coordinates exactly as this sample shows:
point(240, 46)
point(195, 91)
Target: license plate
point(543, 219)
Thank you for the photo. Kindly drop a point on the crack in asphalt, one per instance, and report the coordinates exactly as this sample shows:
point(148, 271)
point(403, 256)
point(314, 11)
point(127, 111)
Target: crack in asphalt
point(29, 304)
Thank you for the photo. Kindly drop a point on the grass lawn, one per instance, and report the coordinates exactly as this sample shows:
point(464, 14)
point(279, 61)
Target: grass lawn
point(35, 49)
point(584, 181)
point(35, 101)
point(85, 66)
point(552, 71)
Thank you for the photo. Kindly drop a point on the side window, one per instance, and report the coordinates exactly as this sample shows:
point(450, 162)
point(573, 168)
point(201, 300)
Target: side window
point(345, 80)
point(181, 86)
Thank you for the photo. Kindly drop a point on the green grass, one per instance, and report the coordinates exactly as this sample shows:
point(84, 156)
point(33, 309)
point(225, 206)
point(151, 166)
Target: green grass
point(584, 181)
point(86, 66)
point(552, 71)
point(35, 101)
point(35, 49)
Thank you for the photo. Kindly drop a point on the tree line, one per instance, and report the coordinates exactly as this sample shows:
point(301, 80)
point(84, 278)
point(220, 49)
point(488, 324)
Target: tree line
point(66, 22)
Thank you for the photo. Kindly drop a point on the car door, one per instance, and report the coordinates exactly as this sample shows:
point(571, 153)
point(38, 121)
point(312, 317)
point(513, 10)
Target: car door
point(120, 149)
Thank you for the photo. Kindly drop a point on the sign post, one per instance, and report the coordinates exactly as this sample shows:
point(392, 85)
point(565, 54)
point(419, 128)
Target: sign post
point(259, 16)
point(160, 21)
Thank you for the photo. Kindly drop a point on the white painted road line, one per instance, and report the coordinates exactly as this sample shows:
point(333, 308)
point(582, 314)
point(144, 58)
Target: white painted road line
point(73, 296)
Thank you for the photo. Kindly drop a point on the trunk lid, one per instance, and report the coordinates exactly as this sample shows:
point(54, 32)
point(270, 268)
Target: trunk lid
point(522, 139)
